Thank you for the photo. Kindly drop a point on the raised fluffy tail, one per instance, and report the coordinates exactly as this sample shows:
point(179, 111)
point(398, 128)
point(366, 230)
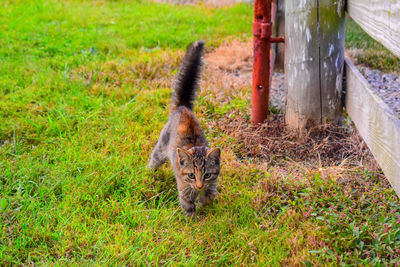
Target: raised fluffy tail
point(186, 83)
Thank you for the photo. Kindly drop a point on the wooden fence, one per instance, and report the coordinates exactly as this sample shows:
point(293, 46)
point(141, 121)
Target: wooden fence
point(380, 19)
point(314, 67)
point(376, 122)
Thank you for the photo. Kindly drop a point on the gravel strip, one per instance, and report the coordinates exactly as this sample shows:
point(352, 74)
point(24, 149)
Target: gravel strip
point(277, 91)
point(387, 85)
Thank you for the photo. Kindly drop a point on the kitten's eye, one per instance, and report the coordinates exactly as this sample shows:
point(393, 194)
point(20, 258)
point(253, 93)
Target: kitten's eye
point(207, 175)
point(191, 175)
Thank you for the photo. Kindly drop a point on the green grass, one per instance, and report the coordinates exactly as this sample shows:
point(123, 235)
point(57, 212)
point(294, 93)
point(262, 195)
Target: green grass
point(82, 100)
point(368, 51)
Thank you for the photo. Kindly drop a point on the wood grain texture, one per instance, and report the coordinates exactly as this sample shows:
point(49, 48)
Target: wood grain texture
point(376, 123)
point(314, 60)
point(380, 19)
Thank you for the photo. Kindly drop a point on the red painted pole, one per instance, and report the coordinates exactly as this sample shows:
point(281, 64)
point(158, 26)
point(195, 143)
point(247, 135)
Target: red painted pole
point(264, 15)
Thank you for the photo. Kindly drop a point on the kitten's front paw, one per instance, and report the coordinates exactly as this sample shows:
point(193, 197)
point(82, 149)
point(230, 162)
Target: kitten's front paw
point(151, 166)
point(190, 215)
point(205, 200)
point(208, 197)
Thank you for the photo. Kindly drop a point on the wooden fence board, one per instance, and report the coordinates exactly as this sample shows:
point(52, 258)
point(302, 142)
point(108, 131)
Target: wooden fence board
point(380, 19)
point(376, 122)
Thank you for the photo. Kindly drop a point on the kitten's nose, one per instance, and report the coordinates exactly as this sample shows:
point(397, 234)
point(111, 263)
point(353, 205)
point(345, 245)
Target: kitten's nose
point(199, 185)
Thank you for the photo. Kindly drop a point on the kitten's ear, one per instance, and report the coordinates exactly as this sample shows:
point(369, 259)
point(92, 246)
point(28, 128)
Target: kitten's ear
point(214, 154)
point(182, 156)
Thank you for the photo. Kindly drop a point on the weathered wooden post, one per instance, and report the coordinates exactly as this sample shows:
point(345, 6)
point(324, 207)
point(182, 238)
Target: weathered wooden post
point(280, 31)
point(314, 58)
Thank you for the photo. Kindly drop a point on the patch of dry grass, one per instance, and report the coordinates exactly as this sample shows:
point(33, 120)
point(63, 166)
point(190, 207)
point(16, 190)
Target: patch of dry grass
point(273, 143)
point(109, 78)
point(228, 71)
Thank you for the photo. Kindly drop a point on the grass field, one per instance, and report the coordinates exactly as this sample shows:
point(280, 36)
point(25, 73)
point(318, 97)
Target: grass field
point(83, 95)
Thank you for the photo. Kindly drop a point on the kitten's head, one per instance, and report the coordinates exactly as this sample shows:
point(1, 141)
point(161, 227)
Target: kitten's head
point(199, 166)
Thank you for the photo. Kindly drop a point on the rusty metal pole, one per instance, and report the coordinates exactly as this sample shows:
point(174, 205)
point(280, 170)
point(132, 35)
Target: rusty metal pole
point(264, 14)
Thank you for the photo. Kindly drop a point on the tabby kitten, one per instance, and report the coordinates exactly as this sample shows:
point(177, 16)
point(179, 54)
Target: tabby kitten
point(183, 143)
